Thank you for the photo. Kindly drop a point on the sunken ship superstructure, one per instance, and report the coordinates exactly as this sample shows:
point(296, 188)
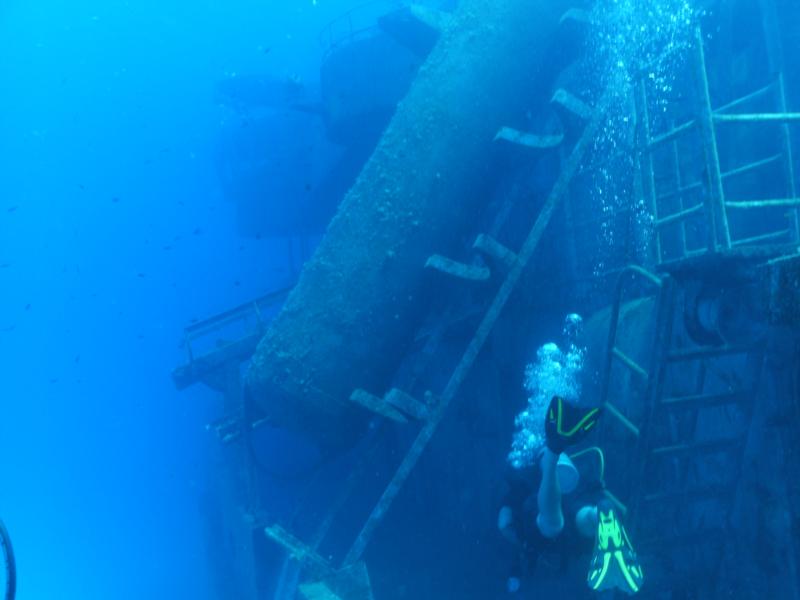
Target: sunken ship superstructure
point(474, 226)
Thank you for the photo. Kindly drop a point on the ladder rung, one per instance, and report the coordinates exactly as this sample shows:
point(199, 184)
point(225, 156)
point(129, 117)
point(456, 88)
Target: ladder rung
point(626, 422)
point(707, 352)
point(297, 549)
point(764, 237)
point(702, 400)
point(699, 447)
point(772, 203)
point(616, 501)
point(758, 118)
point(408, 404)
point(744, 99)
point(572, 104)
point(576, 15)
point(705, 493)
point(377, 405)
point(457, 269)
point(681, 191)
point(630, 363)
point(680, 216)
point(528, 140)
point(704, 536)
point(670, 135)
point(751, 166)
point(491, 247)
point(437, 20)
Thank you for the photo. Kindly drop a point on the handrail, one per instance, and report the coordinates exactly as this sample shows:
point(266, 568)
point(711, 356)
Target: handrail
point(612, 327)
point(330, 39)
point(206, 326)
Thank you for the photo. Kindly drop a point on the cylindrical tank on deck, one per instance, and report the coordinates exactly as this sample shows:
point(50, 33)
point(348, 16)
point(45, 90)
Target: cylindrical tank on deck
point(356, 305)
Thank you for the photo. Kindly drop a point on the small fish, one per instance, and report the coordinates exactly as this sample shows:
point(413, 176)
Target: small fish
point(237, 283)
point(8, 329)
point(115, 199)
point(28, 306)
point(12, 209)
point(167, 247)
point(197, 231)
point(77, 359)
point(53, 380)
point(4, 265)
point(81, 186)
point(140, 275)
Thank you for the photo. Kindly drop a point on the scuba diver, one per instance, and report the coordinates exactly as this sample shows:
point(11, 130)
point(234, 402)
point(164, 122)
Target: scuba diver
point(10, 567)
point(614, 564)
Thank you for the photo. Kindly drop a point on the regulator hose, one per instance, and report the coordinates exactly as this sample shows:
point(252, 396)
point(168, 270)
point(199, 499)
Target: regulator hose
point(8, 559)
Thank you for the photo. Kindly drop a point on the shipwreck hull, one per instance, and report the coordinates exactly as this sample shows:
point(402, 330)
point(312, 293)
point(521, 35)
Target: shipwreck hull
point(358, 300)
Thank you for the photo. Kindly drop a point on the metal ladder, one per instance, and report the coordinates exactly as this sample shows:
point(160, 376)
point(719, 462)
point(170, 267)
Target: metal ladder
point(716, 208)
point(679, 504)
point(401, 406)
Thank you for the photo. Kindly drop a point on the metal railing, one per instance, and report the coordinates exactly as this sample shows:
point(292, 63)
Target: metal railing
point(358, 23)
point(715, 205)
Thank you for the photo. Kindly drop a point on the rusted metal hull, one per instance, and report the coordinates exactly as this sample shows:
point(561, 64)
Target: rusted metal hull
point(349, 319)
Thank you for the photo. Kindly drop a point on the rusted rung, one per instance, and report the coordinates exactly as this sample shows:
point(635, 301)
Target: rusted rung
point(616, 502)
point(528, 140)
point(680, 216)
point(297, 549)
point(491, 247)
point(408, 404)
point(626, 422)
point(693, 448)
point(705, 493)
point(704, 400)
point(377, 405)
point(681, 191)
point(572, 104)
point(764, 237)
point(457, 269)
point(630, 363)
point(745, 204)
point(670, 135)
point(759, 118)
point(752, 166)
point(576, 15)
point(708, 352)
point(744, 99)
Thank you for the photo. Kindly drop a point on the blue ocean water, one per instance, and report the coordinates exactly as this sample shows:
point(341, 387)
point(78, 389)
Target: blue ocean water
point(136, 142)
point(113, 236)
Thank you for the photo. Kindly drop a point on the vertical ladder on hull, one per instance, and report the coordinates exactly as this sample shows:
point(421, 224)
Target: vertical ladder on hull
point(400, 406)
point(718, 206)
point(683, 475)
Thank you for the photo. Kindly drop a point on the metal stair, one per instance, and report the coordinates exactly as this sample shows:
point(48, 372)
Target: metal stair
point(672, 194)
point(505, 270)
point(680, 482)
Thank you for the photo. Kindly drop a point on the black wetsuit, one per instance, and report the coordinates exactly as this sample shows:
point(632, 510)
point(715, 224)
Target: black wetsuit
point(533, 551)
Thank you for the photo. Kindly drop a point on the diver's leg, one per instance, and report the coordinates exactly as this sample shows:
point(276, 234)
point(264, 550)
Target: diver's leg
point(550, 519)
point(586, 521)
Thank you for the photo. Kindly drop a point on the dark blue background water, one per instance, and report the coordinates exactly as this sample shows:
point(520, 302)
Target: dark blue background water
point(113, 236)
